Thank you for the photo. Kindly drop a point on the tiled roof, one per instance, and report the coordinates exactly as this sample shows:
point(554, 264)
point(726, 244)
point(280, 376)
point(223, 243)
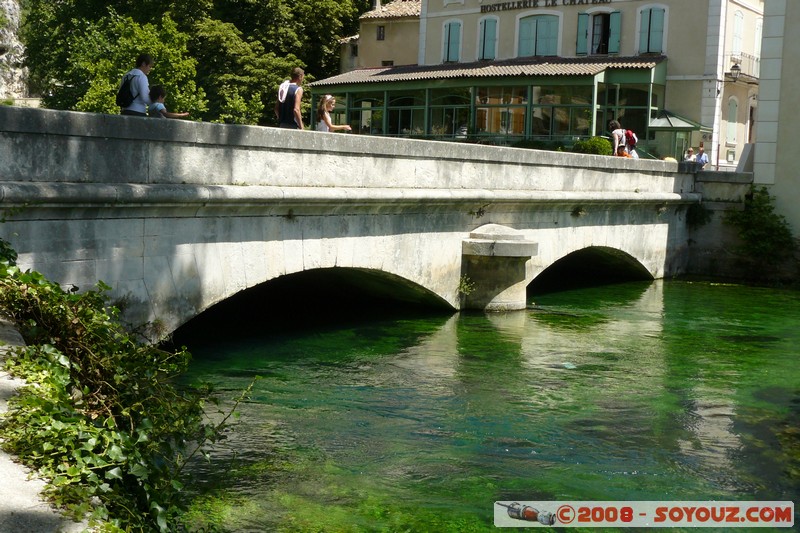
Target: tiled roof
point(348, 40)
point(396, 9)
point(529, 66)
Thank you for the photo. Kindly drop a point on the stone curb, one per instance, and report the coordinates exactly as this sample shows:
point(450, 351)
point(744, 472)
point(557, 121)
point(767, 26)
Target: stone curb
point(22, 508)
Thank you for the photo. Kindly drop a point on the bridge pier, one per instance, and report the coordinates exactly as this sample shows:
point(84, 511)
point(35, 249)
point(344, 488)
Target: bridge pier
point(493, 263)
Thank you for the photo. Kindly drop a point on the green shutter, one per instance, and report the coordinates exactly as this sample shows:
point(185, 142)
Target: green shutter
point(526, 33)
point(614, 32)
point(489, 38)
point(453, 41)
point(644, 31)
point(547, 35)
point(656, 30)
point(583, 34)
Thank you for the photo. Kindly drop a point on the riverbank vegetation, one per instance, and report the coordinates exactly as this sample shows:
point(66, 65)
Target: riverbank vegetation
point(767, 249)
point(100, 417)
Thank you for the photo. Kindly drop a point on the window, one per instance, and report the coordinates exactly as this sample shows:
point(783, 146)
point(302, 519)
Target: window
point(733, 121)
point(406, 113)
point(757, 61)
point(560, 111)
point(388, 63)
point(450, 112)
point(651, 30)
point(538, 36)
point(381, 33)
point(603, 33)
point(452, 41)
point(487, 38)
point(501, 111)
point(354, 50)
point(738, 34)
point(366, 113)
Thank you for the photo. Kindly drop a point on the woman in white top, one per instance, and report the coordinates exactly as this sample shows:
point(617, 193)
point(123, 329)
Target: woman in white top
point(618, 139)
point(324, 109)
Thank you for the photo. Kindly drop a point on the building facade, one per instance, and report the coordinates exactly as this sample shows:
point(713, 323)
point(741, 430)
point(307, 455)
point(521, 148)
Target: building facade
point(777, 126)
point(679, 73)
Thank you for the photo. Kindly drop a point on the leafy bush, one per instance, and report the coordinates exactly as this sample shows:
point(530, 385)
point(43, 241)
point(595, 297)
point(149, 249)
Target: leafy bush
point(99, 416)
point(766, 238)
point(593, 145)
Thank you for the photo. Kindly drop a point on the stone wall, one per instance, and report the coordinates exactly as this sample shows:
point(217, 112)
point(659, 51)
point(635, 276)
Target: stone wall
point(12, 75)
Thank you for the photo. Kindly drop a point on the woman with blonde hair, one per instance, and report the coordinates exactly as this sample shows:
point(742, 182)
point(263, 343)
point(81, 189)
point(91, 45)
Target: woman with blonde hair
point(324, 109)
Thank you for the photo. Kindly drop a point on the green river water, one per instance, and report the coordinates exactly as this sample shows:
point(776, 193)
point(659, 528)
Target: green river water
point(639, 391)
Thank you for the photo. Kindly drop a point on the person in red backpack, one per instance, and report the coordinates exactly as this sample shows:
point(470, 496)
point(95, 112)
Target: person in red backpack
point(618, 138)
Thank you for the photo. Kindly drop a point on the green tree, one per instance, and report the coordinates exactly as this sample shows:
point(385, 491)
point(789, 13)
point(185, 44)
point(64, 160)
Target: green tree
point(219, 59)
point(241, 77)
point(84, 73)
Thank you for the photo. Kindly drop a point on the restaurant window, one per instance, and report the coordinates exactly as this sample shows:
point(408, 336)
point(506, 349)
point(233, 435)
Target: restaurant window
point(601, 30)
point(501, 111)
point(450, 112)
point(487, 38)
point(561, 111)
point(406, 114)
point(651, 30)
point(452, 42)
point(538, 36)
point(366, 113)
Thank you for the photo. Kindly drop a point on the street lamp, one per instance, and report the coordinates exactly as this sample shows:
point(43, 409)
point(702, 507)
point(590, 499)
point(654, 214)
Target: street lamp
point(735, 72)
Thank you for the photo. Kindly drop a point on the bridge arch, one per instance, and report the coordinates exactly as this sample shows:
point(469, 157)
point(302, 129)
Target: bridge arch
point(319, 291)
point(593, 265)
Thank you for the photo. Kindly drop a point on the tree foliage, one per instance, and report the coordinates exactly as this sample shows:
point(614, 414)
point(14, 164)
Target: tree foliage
point(221, 60)
point(766, 237)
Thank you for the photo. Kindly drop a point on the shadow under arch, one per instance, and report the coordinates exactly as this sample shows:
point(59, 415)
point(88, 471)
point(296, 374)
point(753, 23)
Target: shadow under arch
point(313, 298)
point(589, 267)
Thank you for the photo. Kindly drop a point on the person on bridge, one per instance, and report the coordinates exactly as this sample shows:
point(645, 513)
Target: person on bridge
point(324, 109)
point(290, 94)
point(139, 86)
point(157, 109)
point(618, 139)
point(702, 158)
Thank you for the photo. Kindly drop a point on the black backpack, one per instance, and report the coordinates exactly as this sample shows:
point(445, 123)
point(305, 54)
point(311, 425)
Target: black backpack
point(125, 95)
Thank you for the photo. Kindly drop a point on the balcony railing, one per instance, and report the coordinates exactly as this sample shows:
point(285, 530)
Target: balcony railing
point(750, 64)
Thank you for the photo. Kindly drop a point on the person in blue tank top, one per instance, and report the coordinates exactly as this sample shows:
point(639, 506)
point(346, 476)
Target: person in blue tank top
point(290, 94)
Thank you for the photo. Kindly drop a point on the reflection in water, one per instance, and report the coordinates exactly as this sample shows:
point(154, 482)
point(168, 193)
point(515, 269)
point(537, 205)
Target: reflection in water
point(641, 391)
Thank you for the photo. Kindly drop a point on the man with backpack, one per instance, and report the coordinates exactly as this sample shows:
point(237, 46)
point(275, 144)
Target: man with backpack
point(622, 137)
point(133, 95)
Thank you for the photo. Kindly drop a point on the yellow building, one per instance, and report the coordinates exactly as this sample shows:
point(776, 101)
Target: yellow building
point(777, 124)
point(679, 73)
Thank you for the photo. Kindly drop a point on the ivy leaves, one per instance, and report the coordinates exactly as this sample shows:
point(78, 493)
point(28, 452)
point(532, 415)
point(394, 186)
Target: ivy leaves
point(100, 416)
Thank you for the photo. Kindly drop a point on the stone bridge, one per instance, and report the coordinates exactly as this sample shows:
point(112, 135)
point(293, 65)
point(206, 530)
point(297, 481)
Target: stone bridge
point(177, 216)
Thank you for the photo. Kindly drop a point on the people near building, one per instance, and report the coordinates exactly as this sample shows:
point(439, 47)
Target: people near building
point(326, 105)
point(140, 86)
point(290, 95)
point(157, 109)
point(702, 157)
point(618, 139)
point(622, 152)
point(690, 155)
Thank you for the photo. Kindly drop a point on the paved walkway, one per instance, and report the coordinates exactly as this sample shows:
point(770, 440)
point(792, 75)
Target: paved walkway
point(22, 510)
